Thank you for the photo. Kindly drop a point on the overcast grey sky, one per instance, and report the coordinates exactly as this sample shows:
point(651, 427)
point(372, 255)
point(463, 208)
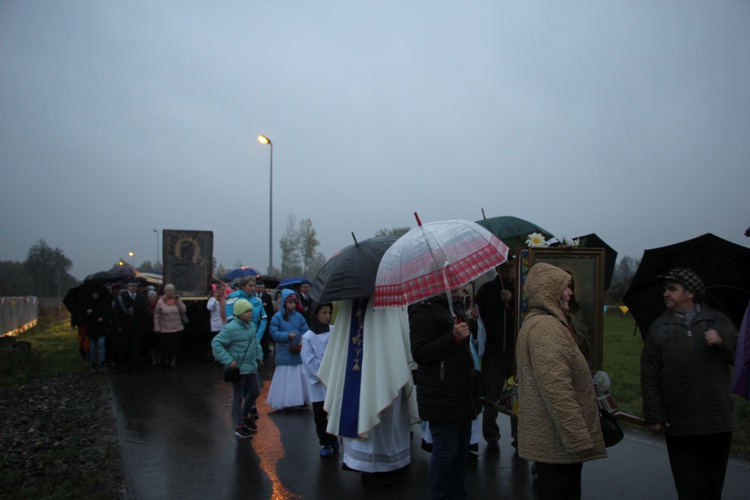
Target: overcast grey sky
point(628, 119)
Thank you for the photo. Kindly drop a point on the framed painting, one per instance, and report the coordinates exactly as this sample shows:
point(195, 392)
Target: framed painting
point(586, 268)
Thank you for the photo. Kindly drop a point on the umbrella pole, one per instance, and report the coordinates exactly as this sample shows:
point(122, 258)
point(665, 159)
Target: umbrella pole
point(448, 292)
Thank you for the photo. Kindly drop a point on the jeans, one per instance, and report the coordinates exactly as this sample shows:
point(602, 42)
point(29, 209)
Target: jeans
point(450, 454)
point(699, 464)
point(244, 394)
point(93, 344)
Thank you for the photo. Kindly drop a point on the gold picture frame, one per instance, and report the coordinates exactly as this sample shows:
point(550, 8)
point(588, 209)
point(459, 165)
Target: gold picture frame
point(586, 266)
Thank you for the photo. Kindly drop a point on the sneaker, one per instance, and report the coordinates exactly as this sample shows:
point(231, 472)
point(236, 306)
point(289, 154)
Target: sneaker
point(254, 414)
point(93, 368)
point(326, 451)
point(242, 432)
point(102, 368)
point(250, 425)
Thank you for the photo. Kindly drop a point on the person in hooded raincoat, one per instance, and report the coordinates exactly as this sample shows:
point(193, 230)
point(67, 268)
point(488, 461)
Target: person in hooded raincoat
point(289, 386)
point(558, 416)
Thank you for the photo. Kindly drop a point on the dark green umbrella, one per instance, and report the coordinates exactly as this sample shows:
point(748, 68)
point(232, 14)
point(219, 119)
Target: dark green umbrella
point(512, 230)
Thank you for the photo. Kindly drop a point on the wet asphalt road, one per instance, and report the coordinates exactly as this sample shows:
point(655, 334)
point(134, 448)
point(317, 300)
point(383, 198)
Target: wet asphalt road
point(177, 441)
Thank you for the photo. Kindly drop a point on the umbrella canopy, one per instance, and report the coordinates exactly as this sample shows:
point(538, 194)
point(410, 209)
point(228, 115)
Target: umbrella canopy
point(610, 255)
point(292, 282)
point(434, 258)
point(150, 278)
point(117, 273)
point(350, 273)
point(240, 272)
point(512, 230)
point(124, 271)
point(268, 280)
point(101, 278)
point(79, 298)
point(741, 382)
point(723, 266)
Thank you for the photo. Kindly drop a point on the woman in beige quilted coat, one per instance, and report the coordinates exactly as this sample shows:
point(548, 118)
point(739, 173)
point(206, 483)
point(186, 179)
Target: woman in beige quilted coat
point(558, 418)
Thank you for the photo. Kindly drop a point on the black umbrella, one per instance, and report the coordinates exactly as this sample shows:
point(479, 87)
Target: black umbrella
point(268, 280)
point(350, 273)
point(101, 278)
point(123, 272)
point(610, 255)
point(723, 266)
point(79, 298)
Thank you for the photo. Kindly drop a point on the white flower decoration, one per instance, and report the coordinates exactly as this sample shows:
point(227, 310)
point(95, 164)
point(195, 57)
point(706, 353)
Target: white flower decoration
point(570, 243)
point(536, 240)
point(602, 381)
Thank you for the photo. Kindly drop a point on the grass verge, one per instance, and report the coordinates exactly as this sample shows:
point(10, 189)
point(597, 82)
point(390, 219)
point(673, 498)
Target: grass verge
point(54, 353)
point(58, 438)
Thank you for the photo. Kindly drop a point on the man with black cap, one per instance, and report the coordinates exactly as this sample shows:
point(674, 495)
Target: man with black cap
point(304, 299)
point(130, 322)
point(686, 382)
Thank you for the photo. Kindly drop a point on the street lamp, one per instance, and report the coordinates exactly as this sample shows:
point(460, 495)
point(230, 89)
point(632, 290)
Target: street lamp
point(157, 248)
point(265, 140)
point(132, 256)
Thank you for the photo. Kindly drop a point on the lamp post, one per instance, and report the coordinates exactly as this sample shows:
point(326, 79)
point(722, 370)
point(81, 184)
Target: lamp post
point(157, 248)
point(265, 140)
point(132, 256)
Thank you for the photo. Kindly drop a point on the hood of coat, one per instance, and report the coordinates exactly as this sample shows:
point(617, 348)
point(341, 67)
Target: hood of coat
point(544, 285)
point(285, 293)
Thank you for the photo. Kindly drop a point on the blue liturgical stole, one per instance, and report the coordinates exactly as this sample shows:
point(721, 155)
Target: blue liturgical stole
point(353, 377)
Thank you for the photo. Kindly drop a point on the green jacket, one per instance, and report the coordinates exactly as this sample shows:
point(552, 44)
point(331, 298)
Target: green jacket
point(237, 342)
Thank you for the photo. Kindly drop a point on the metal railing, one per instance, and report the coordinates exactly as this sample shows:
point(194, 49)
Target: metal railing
point(17, 314)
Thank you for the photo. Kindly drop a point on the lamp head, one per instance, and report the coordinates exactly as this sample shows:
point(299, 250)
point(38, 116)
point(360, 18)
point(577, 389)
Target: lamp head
point(264, 140)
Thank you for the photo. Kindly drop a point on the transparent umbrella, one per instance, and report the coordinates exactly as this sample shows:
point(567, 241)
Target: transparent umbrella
point(435, 258)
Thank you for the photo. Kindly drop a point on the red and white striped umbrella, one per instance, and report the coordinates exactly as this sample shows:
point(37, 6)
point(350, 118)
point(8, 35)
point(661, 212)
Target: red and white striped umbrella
point(434, 258)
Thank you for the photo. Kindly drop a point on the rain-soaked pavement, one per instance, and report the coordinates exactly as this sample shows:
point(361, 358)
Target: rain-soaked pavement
point(177, 441)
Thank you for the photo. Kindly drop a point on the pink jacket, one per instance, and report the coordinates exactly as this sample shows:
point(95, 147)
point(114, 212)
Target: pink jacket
point(167, 318)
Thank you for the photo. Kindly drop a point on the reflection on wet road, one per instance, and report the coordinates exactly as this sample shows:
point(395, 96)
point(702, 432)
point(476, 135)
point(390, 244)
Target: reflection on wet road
point(267, 444)
point(176, 438)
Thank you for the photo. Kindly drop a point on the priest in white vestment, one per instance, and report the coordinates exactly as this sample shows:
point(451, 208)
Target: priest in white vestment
point(370, 399)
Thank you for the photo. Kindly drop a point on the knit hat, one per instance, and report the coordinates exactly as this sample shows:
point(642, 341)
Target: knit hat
point(291, 296)
point(689, 279)
point(242, 306)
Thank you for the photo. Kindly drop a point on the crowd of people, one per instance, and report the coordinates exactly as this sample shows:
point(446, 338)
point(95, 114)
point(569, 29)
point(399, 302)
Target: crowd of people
point(445, 361)
point(131, 328)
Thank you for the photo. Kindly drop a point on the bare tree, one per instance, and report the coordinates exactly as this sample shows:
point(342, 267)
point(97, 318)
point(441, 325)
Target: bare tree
point(624, 272)
point(396, 232)
point(291, 257)
point(308, 244)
